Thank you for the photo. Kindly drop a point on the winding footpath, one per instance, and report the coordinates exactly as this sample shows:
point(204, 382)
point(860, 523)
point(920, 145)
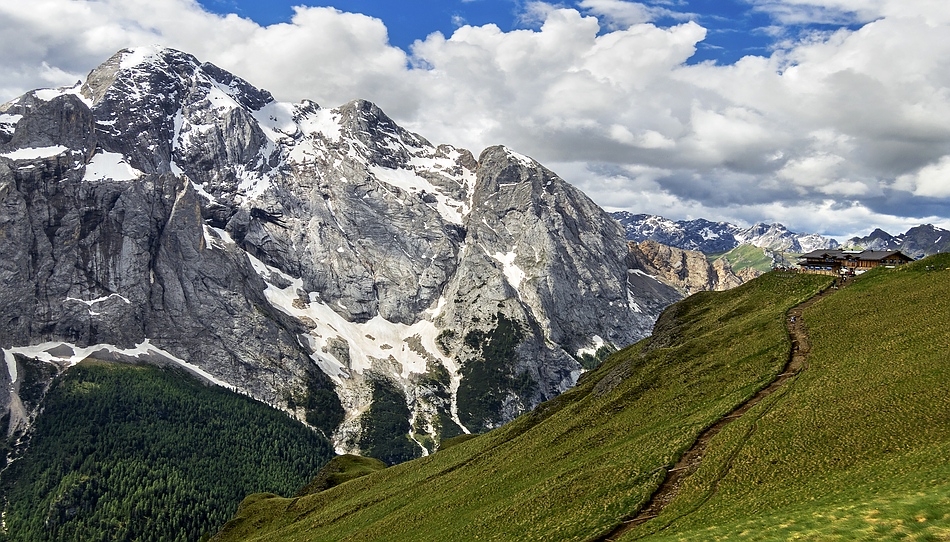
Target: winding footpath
point(690, 461)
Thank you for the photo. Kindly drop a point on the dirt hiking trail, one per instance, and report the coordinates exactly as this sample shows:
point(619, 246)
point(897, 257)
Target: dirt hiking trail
point(691, 460)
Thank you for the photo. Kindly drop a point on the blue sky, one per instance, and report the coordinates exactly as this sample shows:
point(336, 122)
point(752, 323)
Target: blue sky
point(829, 116)
point(735, 28)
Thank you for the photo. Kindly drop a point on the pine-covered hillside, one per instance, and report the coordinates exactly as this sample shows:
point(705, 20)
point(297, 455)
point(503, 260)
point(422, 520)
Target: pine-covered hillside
point(139, 453)
point(851, 447)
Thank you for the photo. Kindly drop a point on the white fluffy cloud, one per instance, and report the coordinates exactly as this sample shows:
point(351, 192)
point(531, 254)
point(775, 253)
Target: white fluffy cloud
point(932, 180)
point(834, 132)
point(623, 13)
point(322, 53)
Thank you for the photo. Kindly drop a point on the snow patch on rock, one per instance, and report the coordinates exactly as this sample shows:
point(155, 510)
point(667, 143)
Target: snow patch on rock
point(512, 272)
point(596, 343)
point(409, 181)
point(110, 166)
point(64, 353)
point(139, 55)
point(34, 153)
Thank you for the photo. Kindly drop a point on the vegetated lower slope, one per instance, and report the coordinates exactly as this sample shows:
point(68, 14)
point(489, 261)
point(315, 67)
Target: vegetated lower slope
point(341, 468)
point(126, 452)
point(576, 465)
point(856, 447)
point(757, 258)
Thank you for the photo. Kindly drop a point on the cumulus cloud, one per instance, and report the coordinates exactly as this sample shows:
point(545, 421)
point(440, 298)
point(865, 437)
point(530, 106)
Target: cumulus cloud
point(623, 14)
point(322, 54)
point(832, 132)
point(932, 180)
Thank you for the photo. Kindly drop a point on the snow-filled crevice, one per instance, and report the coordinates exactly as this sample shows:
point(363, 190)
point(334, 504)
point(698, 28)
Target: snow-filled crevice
point(64, 353)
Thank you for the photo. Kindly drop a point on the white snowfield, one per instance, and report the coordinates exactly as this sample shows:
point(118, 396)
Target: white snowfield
point(48, 94)
point(8, 123)
point(34, 153)
point(138, 55)
point(525, 161)
point(512, 272)
point(375, 341)
point(63, 353)
point(110, 166)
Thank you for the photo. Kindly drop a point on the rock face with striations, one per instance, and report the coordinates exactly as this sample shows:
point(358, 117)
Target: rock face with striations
point(323, 260)
point(686, 270)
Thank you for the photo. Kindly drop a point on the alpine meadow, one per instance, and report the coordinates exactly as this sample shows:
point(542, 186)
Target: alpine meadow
point(852, 448)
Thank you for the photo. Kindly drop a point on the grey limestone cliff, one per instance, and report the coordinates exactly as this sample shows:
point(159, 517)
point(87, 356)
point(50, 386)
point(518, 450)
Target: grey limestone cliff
point(167, 211)
point(688, 271)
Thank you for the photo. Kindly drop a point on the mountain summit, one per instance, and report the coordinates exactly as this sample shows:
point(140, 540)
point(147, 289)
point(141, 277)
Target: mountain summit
point(326, 261)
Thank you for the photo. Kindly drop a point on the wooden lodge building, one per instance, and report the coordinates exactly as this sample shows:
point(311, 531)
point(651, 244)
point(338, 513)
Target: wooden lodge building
point(849, 262)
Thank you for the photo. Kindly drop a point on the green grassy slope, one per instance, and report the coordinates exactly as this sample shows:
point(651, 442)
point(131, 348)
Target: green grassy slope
point(126, 452)
point(857, 447)
point(745, 256)
point(341, 468)
point(577, 464)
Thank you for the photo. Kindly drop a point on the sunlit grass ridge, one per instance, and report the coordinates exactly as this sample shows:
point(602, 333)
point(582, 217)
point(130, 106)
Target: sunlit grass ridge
point(853, 448)
point(579, 463)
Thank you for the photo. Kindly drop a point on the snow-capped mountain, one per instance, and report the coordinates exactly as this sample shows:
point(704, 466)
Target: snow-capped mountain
point(168, 211)
point(711, 237)
point(778, 238)
point(916, 242)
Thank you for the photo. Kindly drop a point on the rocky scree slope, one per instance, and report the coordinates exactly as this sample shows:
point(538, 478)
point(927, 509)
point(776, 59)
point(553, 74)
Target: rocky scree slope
point(167, 211)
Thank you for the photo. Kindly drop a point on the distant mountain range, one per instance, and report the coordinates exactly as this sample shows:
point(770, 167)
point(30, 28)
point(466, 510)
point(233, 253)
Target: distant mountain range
point(916, 242)
point(717, 237)
point(710, 237)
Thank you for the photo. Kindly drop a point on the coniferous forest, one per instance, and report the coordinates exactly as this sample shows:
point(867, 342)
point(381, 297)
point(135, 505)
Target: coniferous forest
point(123, 452)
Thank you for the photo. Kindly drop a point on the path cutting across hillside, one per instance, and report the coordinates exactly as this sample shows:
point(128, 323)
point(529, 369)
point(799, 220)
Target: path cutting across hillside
point(690, 461)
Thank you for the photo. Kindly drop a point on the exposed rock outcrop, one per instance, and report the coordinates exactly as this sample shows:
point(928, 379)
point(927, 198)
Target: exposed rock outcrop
point(686, 270)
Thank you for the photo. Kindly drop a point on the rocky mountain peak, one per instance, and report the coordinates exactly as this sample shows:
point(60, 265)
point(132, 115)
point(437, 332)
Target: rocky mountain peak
point(141, 70)
point(149, 70)
point(147, 90)
point(64, 120)
point(169, 211)
point(505, 169)
point(386, 143)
